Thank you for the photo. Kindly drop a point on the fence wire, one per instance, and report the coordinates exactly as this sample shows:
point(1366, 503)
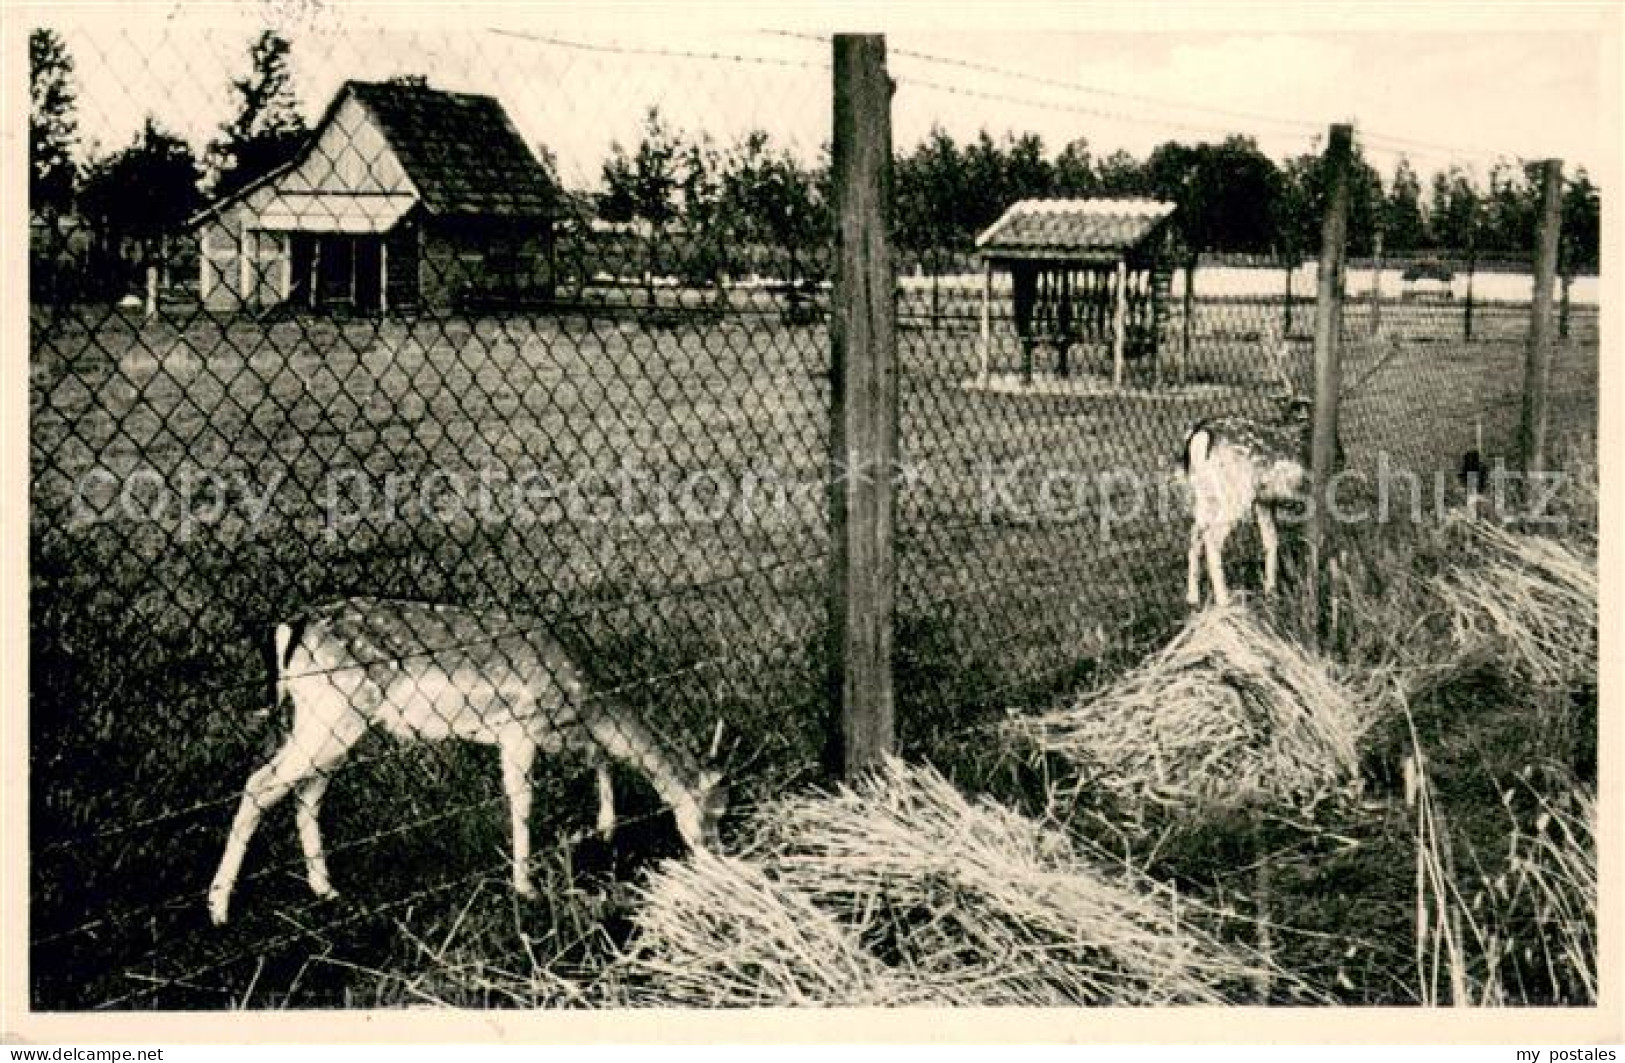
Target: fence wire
point(502, 461)
point(478, 387)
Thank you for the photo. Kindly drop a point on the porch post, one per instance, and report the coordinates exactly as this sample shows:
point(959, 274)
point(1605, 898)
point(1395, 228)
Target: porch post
point(315, 268)
point(383, 275)
point(244, 293)
point(286, 247)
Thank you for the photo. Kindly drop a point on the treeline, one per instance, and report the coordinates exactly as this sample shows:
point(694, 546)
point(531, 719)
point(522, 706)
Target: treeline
point(119, 209)
point(1233, 198)
point(709, 211)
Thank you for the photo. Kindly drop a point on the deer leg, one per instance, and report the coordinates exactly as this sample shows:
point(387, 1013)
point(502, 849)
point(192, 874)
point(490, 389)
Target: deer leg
point(518, 754)
point(267, 786)
point(606, 802)
point(1214, 540)
point(1193, 568)
point(307, 813)
point(1272, 541)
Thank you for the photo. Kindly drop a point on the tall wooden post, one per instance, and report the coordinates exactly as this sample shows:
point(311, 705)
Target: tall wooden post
point(863, 410)
point(1328, 333)
point(1537, 371)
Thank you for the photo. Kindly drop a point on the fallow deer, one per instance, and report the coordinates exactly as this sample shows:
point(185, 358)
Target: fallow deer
point(1239, 465)
point(426, 672)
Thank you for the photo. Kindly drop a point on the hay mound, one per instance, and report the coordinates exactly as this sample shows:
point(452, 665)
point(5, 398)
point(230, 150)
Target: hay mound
point(718, 932)
point(904, 891)
point(1533, 599)
point(1227, 714)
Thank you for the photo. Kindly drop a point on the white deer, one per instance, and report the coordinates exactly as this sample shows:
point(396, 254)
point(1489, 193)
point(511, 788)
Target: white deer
point(429, 672)
point(1239, 466)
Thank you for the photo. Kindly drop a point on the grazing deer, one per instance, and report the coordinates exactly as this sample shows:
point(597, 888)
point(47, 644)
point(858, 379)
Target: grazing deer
point(1239, 465)
point(427, 672)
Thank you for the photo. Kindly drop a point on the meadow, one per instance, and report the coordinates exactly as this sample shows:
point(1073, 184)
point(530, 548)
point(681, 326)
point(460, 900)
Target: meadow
point(197, 479)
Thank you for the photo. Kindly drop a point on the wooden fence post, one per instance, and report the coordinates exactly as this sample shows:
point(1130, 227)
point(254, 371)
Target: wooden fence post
point(1328, 338)
point(1376, 284)
point(863, 412)
point(1286, 317)
point(1537, 370)
point(1467, 312)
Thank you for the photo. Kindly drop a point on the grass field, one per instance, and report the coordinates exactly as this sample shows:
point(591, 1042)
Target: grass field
point(150, 629)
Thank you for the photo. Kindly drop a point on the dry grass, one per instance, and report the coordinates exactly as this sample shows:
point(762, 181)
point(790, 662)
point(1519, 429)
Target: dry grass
point(1227, 714)
point(720, 932)
point(903, 890)
point(1551, 887)
point(1533, 598)
point(1527, 932)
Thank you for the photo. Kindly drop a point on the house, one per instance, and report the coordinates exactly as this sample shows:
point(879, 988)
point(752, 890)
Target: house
point(1089, 272)
point(404, 195)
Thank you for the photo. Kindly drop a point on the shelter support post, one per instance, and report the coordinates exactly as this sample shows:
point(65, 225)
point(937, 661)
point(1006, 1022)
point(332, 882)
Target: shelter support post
point(1119, 322)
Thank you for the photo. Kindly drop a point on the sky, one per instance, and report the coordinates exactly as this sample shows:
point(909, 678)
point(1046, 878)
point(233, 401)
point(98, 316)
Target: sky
point(1411, 79)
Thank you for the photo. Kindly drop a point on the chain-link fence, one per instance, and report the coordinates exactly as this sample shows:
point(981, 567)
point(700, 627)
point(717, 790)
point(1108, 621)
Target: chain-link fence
point(485, 394)
point(404, 362)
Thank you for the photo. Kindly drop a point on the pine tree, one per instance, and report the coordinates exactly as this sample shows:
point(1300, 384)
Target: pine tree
point(53, 126)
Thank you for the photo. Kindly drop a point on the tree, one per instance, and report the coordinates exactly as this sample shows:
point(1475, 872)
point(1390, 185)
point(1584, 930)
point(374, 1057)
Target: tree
point(929, 194)
point(1404, 228)
point(1075, 170)
point(268, 129)
point(1120, 174)
point(1303, 203)
point(1453, 211)
point(53, 125)
point(647, 185)
point(141, 195)
point(768, 199)
point(1582, 222)
point(1510, 210)
point(1227, 194)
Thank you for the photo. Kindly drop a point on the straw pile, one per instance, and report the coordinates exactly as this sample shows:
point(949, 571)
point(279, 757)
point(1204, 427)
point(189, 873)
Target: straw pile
point(904, 891)
point(1225, 715)
point(1533, 599)
point(718, 932)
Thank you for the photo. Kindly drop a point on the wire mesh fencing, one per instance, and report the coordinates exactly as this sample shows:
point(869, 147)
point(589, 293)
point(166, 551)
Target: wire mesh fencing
point(391, 359)
point(475, 383)
point(1067, 320)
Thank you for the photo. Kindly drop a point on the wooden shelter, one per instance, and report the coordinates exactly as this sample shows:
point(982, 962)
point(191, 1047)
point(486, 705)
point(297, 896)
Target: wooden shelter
point(1092, 272)
point(404, 195)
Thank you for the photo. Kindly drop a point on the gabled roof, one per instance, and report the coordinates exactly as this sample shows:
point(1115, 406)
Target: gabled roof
point(1072, 228)
point(460, 151)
